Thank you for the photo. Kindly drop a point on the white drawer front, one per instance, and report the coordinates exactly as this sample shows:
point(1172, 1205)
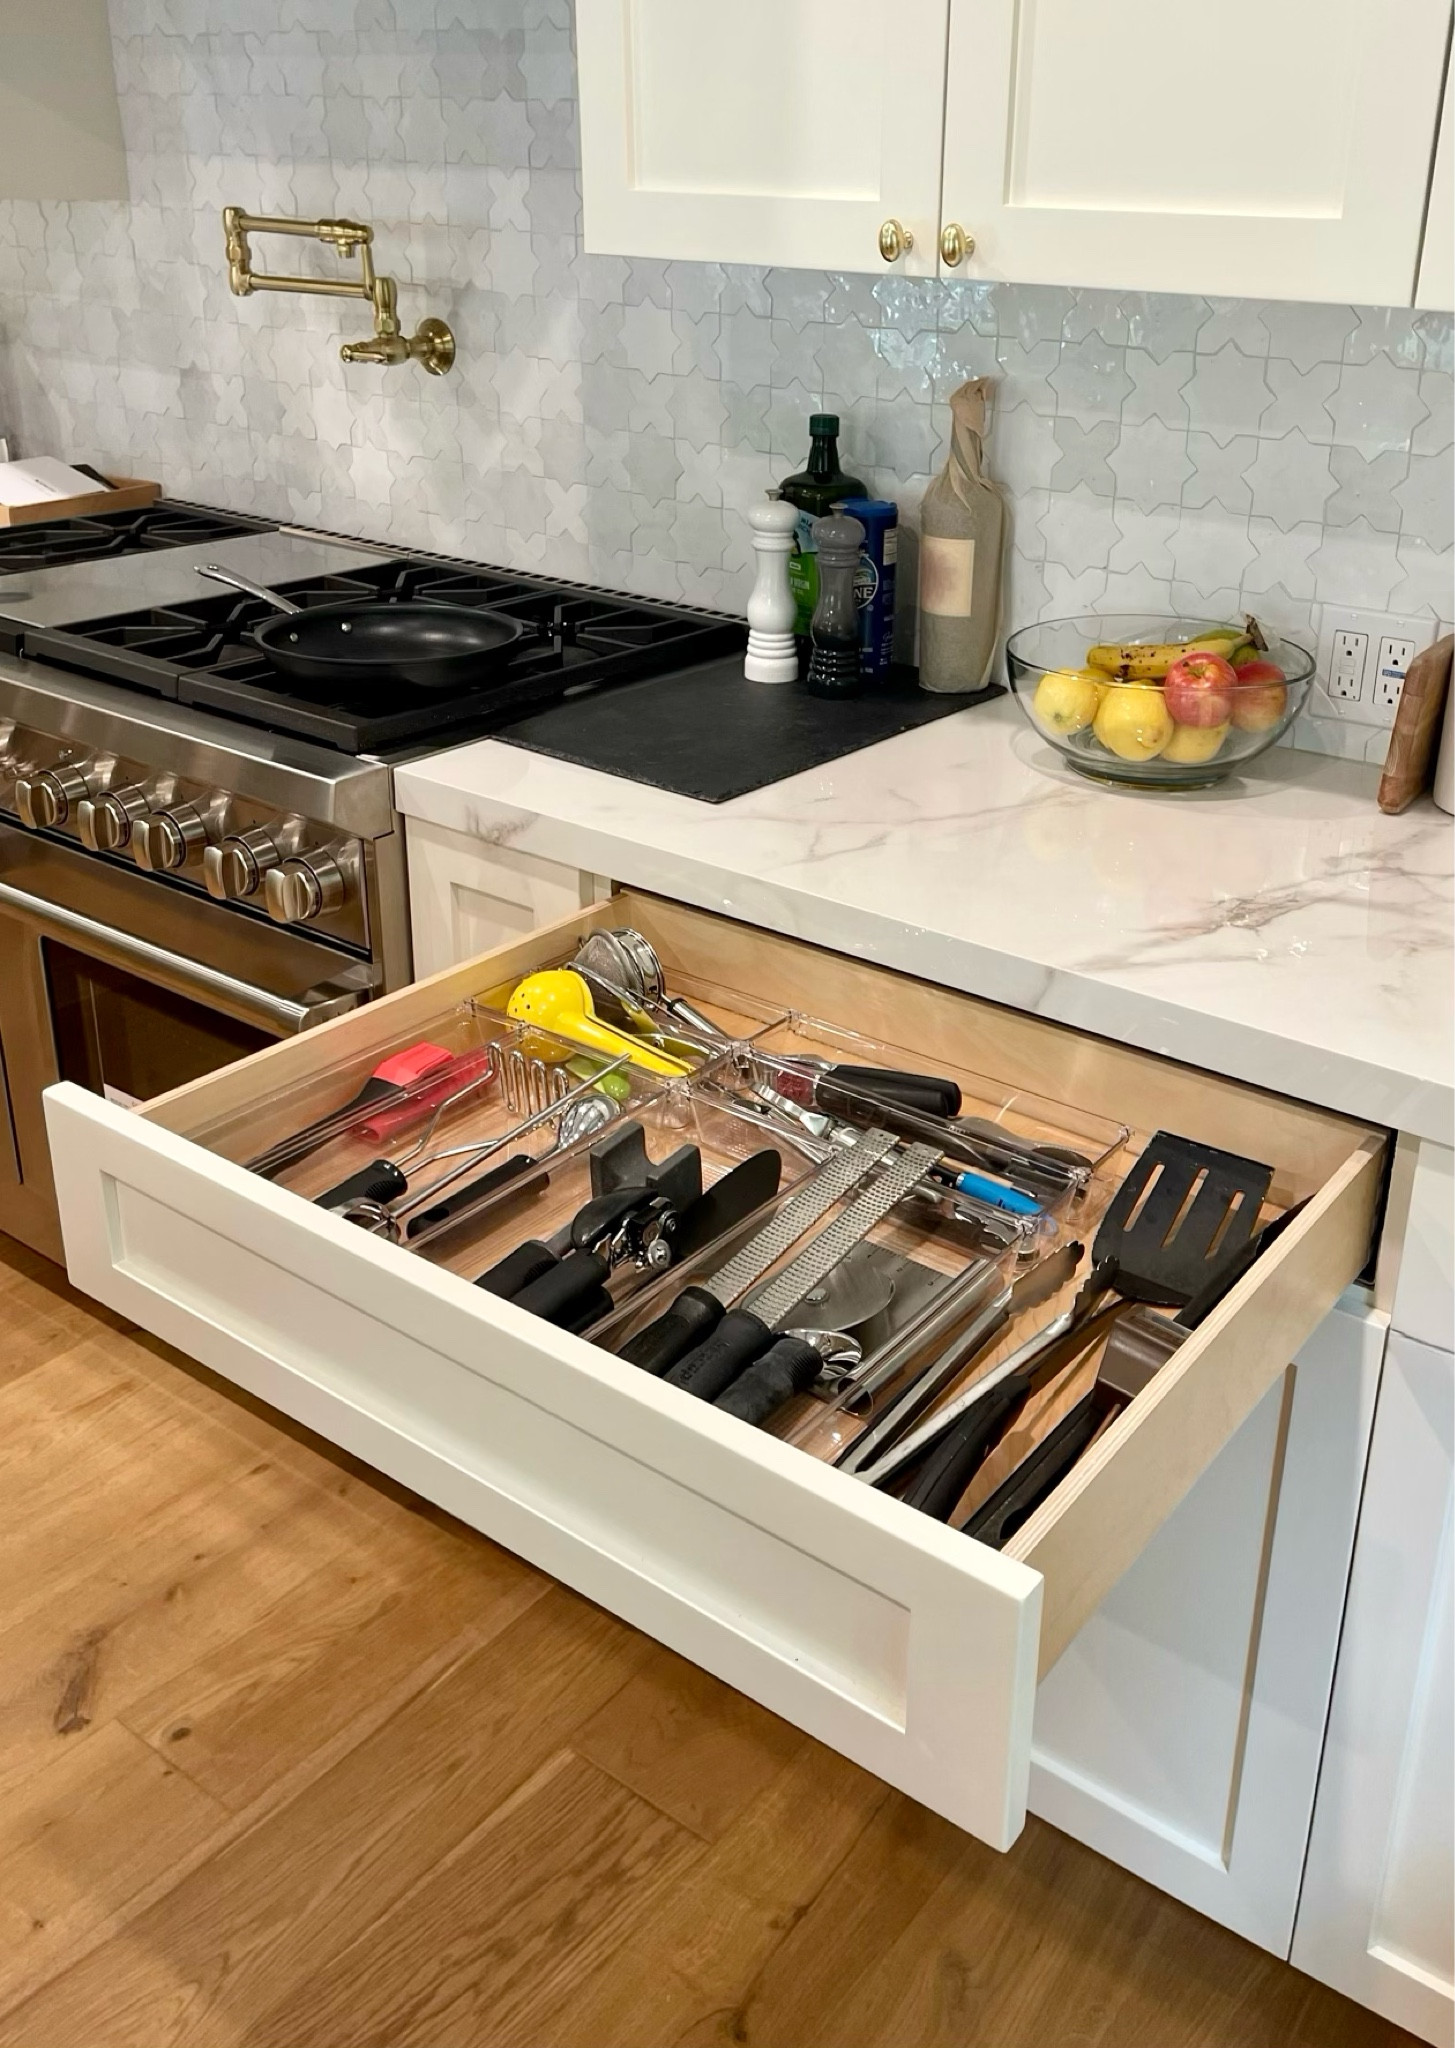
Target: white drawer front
point(874, 1628)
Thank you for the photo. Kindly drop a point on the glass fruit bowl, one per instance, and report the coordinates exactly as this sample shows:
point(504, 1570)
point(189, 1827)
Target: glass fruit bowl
point(1159, 702)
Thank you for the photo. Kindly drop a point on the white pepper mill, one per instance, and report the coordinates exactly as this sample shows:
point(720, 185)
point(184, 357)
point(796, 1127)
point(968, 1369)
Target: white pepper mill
point(772, 655)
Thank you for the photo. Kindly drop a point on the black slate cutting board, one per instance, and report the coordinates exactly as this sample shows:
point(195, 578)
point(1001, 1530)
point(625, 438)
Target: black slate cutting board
point(707, 732)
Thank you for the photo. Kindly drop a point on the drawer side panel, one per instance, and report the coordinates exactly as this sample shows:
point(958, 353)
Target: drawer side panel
point(1110, 1505)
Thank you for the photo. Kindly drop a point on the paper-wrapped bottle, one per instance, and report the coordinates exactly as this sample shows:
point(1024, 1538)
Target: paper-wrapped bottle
point(962, 527)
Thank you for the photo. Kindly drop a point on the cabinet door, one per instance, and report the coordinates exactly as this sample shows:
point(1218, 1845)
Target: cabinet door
point(1180, 1734)
point(1378, 1900)
point(467, 896)
point(1265, 148)
point(1436, 287)
point(761, 133)
point(60, 131)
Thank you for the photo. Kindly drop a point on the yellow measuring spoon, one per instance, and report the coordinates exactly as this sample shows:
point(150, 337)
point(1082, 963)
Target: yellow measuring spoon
point(559, 1000)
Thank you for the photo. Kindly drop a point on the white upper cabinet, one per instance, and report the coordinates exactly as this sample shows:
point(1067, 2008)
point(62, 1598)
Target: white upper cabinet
point(1259, 148)
point(60, 132)
point(1256, 148)
point(768, 131)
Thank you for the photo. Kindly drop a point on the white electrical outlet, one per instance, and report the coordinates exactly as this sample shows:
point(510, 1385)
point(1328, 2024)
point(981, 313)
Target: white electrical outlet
point(1346, 665)
point(1391, 664)
point(1362, 661)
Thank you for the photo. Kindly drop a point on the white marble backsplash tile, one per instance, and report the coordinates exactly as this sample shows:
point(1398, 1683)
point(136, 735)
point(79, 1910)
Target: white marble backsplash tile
point(611, 420)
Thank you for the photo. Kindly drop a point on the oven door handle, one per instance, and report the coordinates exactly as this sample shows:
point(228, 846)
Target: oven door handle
point(282, 1015)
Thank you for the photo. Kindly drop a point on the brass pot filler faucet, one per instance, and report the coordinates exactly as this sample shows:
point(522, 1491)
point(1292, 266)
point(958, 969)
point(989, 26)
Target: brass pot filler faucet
point(433, 345)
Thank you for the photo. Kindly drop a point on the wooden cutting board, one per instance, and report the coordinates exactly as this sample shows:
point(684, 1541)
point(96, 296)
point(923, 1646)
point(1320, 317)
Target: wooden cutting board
point(130, 494)
point(1410, 761)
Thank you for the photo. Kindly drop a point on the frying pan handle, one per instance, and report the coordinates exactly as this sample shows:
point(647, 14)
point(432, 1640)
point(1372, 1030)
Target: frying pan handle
point(215, 573)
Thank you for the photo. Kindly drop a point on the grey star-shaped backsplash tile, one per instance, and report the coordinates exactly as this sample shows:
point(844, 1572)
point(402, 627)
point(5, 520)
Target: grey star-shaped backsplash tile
point(613, 420)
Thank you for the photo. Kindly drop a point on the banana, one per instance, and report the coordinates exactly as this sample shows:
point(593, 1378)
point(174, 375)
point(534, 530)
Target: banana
point(1141, 662)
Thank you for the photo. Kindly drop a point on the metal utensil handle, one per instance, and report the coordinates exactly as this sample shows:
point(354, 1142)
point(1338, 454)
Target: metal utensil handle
point(944, 1308)
point(867, 1449)
point(832, 1180)
point(283, 1015)
point(1017, 1362)
point(472, 1155)
point(215, 573)
point(774, 1305)
point(652, 983)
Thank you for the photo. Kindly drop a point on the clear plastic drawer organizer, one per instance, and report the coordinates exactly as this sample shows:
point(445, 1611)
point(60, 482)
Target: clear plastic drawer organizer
point(485, 1130)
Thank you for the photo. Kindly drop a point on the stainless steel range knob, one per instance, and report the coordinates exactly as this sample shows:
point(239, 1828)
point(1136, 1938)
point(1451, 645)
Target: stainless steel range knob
point(164, 840)
point(105, 822)
point(48, 798)
point(304, 887)
point(237, 865)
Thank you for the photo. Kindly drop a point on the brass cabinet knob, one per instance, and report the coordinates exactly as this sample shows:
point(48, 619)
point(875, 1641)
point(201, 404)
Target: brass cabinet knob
point(955, 244)
point(894, 241)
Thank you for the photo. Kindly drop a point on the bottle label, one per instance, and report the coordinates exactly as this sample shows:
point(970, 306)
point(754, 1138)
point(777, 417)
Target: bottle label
point(866, 581)
point(891, 544)
point(946, 576)
point(803, 582)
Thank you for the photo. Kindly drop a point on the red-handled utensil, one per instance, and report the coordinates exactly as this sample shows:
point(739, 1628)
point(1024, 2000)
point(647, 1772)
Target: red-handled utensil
point(392, 1080)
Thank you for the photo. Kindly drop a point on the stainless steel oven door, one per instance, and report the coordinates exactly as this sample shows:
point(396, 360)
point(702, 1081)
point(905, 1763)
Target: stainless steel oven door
point(131, 986)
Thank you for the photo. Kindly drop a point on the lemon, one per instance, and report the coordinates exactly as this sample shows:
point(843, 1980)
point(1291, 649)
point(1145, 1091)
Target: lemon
point(1132, 722)
point(1066, 699)
point(1194, 742)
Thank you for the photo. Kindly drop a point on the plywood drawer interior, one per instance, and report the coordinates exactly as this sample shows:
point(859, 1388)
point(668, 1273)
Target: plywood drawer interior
point(1076, 1544)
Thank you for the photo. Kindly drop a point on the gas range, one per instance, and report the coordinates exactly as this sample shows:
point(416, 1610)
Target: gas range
point(199, 651)
point(140, 724)
point(196, 855)
point(56, 543)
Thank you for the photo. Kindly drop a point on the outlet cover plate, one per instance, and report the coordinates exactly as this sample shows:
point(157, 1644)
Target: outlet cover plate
point(1373, 704)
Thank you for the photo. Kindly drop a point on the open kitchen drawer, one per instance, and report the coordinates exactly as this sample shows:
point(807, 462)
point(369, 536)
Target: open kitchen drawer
point(907, 1645)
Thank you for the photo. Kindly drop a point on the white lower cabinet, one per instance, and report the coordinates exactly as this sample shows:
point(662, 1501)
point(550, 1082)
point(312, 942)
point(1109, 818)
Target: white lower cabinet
point(1180, 1734)
point(911, 1648)
point(467, 896)
point(1378, 1906)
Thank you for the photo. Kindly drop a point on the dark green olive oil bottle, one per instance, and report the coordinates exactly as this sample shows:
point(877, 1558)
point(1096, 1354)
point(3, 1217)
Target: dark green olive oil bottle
point(815, 491)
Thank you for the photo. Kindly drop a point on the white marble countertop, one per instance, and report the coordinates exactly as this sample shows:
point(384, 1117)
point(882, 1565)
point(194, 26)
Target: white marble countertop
point(1279, 929)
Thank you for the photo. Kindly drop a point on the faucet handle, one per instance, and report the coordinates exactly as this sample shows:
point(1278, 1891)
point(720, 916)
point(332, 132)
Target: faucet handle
point(432, 345)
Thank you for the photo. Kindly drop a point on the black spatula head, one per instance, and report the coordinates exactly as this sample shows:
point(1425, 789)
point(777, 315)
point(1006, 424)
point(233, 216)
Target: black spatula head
point(1182, 1214)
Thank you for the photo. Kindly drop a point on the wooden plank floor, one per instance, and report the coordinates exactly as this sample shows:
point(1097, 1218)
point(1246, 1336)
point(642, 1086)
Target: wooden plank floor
point(290, 1760)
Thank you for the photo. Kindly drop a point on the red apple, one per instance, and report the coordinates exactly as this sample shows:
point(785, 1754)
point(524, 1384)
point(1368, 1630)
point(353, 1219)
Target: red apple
point(1200, 688)
point(1261, 697)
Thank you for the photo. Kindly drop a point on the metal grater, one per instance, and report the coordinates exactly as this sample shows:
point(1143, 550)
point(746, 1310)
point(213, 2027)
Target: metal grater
point(832, 1180)
point(773, 1303)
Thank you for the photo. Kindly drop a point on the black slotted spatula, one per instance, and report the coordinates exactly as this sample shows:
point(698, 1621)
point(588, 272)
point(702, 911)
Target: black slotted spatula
point(1182, 1214)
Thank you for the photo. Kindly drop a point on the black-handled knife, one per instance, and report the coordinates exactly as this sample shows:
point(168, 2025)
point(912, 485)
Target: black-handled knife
point(931, 1094)
point(745, 1333)
point(698, 1309)
point(786, 1368)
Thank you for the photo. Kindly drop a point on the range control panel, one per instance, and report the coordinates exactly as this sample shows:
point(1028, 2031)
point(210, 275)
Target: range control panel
point(195, 834)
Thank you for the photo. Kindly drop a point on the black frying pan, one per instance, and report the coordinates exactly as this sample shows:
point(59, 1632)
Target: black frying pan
point(431, 646)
